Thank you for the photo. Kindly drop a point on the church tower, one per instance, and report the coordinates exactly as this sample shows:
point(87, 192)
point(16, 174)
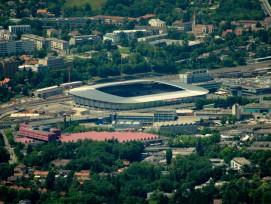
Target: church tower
point(194, 21)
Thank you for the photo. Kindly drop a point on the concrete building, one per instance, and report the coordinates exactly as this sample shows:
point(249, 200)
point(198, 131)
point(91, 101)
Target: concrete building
point(209, 85)
point(182, 26)
point(175, 127)
point(71, 85)
point(48, 91)
point(145, 118)
point(116, 35)
point(157, 23)
point(260, 145)
point(213, 114)
point(39, 42)
point(236, 111)
point(58, 45)
point(6, 35)
point(8, 67)
point(124, 125)
point(164, 115)
point(15, 47)
point(117, 20)
point(51, 32)
point(245, 89)
point(152, 38)
point(53, 62)
point(14, 29)
point(195, 76)
point(83, 39)
point(35, 68)
point(257, 108)
point(238, 162)
point(76, 21)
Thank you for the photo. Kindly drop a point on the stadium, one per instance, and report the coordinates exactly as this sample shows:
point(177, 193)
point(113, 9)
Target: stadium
point(136, 94)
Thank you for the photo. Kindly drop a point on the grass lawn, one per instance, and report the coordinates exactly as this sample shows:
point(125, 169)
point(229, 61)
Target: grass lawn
point(124, 50)
point(95, 4)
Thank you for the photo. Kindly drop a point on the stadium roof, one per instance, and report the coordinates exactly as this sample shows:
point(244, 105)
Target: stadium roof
point(91, 92)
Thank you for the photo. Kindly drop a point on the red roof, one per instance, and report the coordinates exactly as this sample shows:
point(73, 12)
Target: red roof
point(147, 16)
point(102, 136)
point(24, 140)
point(4, 82)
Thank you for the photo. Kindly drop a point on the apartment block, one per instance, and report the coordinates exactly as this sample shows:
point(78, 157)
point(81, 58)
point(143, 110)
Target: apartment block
point(14, 29)
point(58, 45)
point(6, 35)
point(15, 47)
point(8, 67)
point(53, 62)
point(82, 39)
point(39, 42)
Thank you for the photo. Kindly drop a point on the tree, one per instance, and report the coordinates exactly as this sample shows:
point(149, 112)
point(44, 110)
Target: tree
point(4, 155)
point(50, 180)
point(6, 170)
point(223, 120)
point(168, 156)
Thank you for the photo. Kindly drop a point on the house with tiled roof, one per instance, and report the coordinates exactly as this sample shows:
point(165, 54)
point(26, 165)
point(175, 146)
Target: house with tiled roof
point(83, 175)
point(38, 174)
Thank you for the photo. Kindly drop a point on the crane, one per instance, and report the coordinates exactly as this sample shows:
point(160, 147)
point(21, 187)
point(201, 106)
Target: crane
point(66, 69)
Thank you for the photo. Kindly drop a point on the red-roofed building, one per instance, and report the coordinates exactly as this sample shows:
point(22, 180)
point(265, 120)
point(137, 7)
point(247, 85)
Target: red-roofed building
point(5, 82)
point(39, 134)
point(147, 16)
point(103, 136)
point(224, 33)
point(83, 175)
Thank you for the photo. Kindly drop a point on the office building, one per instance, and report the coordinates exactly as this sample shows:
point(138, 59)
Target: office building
point(14, 29)
point(195, 76)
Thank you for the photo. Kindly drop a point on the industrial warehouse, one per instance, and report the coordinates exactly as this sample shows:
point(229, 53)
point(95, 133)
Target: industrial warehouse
point(135, 94)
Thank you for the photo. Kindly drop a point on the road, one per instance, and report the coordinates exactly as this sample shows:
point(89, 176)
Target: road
point(266, 7)
point(13, 158)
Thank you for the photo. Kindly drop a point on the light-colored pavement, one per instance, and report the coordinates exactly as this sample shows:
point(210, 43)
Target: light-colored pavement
point(13, 158)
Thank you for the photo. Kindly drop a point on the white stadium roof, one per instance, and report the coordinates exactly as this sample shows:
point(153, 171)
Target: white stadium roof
point(91, 92)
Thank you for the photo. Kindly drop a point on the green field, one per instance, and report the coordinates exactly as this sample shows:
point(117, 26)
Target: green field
point(95, 4)
point(124, 50)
